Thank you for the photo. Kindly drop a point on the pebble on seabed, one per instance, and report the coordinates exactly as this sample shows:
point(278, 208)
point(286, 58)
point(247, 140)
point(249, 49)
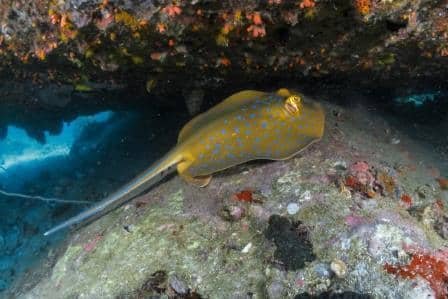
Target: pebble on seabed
point(292, 208)
point(339, 268)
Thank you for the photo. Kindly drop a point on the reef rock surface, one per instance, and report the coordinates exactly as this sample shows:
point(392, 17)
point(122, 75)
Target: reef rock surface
point(172, 46)
point(348, 214)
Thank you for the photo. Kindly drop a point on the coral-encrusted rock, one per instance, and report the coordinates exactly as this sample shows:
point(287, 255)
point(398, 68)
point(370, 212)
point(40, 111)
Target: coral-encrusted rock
point(209, 44)
point(360, 178)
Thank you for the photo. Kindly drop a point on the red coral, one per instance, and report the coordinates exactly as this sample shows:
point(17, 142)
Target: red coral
point(224, 61)
point(248, 196)
point(406, 199)
point(363, 7)
point(256, 30)
point(257, 18)
point(307, 4)
point(350, 181)
point(443, 183)
point(431, 267)
point(245, 195)
point(172, 10)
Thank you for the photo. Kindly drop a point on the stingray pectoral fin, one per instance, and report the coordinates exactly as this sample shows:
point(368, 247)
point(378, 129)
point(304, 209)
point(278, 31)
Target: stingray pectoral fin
point(200, 181)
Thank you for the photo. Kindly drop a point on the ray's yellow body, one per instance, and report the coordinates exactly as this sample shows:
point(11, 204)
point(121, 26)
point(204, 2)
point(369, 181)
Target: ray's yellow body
point(248, 125)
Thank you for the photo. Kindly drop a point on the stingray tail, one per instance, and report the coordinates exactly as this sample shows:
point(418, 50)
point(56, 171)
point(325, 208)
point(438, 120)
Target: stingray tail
point(140, 183)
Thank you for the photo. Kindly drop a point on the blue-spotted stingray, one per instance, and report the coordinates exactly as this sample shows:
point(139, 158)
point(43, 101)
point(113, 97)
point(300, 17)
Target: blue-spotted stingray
point(246, 126)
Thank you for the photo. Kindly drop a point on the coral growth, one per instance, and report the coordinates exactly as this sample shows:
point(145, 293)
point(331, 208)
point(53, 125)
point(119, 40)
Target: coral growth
point(307, 4)
point(360, 178)
point(431, 267)
point(363, 7)
point(371, 181)
point(385, 182)
point(247, 196)
point(172, 10)
point(257, 29)
point(406, 199)
point(87, 35)
point(443, 183)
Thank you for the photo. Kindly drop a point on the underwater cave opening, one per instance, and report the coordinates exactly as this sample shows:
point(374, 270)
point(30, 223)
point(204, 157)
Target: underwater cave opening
point(68, 155)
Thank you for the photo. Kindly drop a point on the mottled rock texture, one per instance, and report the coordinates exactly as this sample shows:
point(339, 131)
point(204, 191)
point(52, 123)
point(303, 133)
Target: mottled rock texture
point(172, 46)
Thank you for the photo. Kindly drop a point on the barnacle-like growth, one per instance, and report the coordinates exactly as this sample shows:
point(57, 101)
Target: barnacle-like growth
point(363, 7)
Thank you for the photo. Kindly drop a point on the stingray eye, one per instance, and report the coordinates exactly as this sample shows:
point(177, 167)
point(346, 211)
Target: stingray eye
point(293, 104)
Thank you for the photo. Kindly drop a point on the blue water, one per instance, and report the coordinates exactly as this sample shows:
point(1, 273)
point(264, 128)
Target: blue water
point(420, 99)
point(22, 157)
point(49, 169)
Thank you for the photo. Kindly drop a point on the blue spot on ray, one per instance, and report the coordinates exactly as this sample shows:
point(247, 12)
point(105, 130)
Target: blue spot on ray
point(252, 115)
point(264, 124)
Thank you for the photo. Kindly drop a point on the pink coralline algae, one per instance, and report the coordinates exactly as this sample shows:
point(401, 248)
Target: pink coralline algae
point(360, 178)
point(89, 246)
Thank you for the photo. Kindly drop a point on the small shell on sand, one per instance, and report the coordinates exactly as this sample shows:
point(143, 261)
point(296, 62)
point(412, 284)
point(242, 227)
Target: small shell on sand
point(339, 268)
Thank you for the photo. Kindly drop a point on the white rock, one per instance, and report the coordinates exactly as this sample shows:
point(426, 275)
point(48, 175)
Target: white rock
point(292, 208)
point(247, 248)
point(306, 196)
point(339, 268)
point(395, 141)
